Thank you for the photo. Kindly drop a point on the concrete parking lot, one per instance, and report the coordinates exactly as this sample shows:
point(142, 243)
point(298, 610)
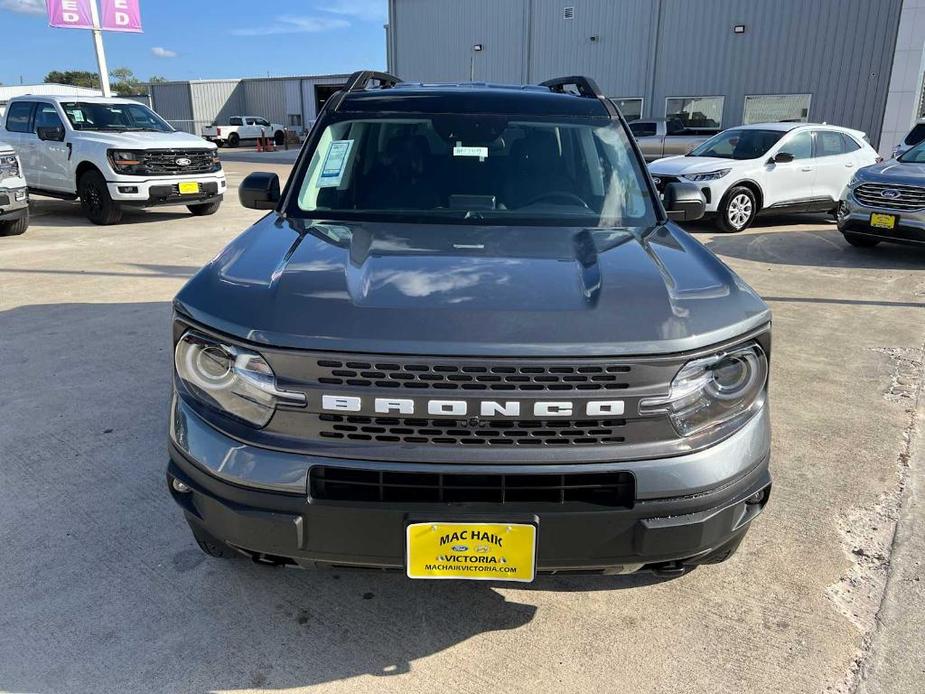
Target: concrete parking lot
point(103, 590)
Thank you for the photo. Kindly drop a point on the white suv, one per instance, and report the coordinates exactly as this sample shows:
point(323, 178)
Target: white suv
point(111, 153)
point(782, 167)
point(14, 198)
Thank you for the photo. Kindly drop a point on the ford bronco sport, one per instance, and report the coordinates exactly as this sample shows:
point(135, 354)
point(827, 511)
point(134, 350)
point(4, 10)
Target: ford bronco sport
point(469, 342)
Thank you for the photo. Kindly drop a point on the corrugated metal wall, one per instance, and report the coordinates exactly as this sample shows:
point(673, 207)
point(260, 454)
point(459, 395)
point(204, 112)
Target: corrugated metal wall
point(308, 93)
point(266, 98)
point(216, 100)
point(172, 101)
point(840, 51)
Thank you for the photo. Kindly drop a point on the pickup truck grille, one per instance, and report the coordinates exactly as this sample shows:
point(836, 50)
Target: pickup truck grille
point(163, 162)
point(613, 489)
point(893, 197)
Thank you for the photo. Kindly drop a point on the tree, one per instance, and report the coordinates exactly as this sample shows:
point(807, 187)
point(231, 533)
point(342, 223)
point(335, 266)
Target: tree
point(77, 78)
point(156, 79)
point(125, 83)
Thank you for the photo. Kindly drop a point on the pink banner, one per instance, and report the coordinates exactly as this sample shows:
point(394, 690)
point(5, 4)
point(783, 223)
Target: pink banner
point(69, 14)
point(121, 15)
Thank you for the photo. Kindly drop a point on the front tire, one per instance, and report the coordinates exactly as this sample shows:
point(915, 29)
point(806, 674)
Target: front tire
point(279, 138)
point(234, 140)
point(859, 241)
point(97, 204)
point(15, 227)
point(737, 211)
point(205, 209)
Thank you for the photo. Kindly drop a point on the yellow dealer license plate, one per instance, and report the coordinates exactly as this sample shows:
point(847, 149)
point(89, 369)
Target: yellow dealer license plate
point(883, 221)
point(189, 188)
point(474, 551)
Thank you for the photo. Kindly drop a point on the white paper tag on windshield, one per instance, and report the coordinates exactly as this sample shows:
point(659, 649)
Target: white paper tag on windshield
point(333, 169)
point(461, 151)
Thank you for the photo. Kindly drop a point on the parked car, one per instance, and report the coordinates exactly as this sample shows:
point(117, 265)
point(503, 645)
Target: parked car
point(773, 167)
point(467, 342)
point(111, 153)
point(240, 128)
point(886, 202)
point(912, 138)
point(658, 137)
point(14, 198)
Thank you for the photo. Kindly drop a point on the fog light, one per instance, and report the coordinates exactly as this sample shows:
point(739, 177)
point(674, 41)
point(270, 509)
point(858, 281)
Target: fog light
point(19, 195)
point(757, 497)
point(128, 189)
point(180, 487)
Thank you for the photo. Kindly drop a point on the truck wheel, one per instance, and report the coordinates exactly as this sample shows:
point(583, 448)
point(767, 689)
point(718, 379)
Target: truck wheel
point(859, 241)
point(210, 545)
point(279, 137)
point(233, 140)
point(737, 210)
point(95, 200)
point(15, 227)
point(205, 209)
point(219, 143)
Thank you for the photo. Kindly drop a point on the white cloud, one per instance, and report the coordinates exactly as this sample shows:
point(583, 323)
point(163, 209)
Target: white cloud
point(163, 52)
point(370, 10)
point(293, 25)
point(24, 6)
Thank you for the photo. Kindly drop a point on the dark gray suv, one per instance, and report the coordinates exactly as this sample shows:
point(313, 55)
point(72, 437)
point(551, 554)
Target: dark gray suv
point(468, 342)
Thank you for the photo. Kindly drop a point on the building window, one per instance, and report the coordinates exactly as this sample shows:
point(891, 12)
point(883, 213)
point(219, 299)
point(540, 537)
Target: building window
point(776, 108)
point(295, 120)
point(630, 108)
point(696, 112)
point(643, 128)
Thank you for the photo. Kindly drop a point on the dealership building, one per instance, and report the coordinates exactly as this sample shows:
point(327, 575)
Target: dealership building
point(712, 63)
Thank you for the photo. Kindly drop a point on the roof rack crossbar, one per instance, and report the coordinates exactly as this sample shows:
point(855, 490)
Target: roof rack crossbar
point(585, 86)
point(359, 80)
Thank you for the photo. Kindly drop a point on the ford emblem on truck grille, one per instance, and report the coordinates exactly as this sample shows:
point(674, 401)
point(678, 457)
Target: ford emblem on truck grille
point(891, 194)
point(183, 161)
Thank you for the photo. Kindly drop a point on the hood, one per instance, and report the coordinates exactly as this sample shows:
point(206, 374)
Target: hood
point(893, 171)
point(470, 290)
point(147, 140)
point(675, 166)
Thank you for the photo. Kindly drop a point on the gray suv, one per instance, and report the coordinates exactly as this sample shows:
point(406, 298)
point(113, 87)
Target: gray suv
point(468, 341)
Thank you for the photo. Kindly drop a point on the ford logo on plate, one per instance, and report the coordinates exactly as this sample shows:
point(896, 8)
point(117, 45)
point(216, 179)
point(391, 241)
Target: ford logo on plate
point(183, 161)
point(891, 194)
point(459, 548)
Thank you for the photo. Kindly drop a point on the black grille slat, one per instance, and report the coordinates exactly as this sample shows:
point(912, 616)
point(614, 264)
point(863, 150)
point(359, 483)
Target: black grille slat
point(163, 162)
point(612, 489)
point(911, 198)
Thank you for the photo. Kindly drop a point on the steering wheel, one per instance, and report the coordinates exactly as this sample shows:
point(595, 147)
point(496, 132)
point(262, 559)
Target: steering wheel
point(557, 194)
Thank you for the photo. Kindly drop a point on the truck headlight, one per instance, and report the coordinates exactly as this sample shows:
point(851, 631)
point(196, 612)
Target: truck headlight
point(126, 161)
point(231, 379)
point(716, 393)
point(707, 176)
point(9, 165)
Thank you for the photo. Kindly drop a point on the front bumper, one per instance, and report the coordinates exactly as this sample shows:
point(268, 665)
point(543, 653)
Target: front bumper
point(686, 509)
point(713, 191)
point(164, 190)
point(854, 218)
point(14, 203)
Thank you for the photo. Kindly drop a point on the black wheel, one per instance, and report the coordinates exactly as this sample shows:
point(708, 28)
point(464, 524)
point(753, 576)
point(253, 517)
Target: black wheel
point(210, 545)
point(15, 227)
point(204, 209)
point(99, 207)
point(234, 140)
point(737, 210)
point(279, 137)
point(859, 241)
point(219, 143)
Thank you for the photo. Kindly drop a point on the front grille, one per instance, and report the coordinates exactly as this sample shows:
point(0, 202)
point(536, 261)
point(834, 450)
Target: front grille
point(905, 198)
point(448, 376)
point(613, 489)
point(163, 162)
point(457, 432)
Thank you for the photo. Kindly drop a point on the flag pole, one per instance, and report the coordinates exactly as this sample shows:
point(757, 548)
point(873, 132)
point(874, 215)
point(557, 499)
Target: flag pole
point(100, 53)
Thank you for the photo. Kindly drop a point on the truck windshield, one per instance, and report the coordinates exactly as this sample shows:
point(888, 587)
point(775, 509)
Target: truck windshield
point(739, 143)
point(916, 155)
point(475, 170)
point(87, 115)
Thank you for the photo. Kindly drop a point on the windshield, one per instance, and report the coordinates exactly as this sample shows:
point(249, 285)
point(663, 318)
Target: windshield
point(475, 170)
point(738, 144)
point(85, 115)
point(916, 155)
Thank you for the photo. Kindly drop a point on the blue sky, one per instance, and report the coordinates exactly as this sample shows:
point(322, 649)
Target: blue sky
point(196, 39)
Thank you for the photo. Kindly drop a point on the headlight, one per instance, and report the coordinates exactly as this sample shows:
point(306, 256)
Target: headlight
point(716, 393)
point(232, 379)
point(707, 176)
point(216, 162)
point(9, 165)
point(126, 161)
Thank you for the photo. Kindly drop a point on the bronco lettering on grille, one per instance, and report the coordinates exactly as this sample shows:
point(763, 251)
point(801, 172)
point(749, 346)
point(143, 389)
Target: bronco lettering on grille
point(484, 408)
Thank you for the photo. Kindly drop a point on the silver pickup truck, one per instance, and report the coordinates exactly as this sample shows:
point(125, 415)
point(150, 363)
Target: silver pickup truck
point(658, 137)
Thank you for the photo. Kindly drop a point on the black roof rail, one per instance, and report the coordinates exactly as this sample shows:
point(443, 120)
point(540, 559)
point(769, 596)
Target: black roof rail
point(585, 86)
point(358, 81)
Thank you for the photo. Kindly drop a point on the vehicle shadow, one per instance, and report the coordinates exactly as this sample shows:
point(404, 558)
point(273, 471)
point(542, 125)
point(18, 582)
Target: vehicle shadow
point(50, 212)
point(108, 591)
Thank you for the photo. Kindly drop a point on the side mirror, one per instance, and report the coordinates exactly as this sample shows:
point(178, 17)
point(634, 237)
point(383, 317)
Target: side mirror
point(259, 191)
point(782, 158)
point(684, 202)
point(54, 133)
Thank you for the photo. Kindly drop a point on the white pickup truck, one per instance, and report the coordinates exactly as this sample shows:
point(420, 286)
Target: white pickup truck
point(243, 128)
point(111, 153)
point(14, 198)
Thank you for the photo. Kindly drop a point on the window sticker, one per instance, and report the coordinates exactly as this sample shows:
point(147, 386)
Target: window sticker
point(333, 169)
point(78, 116)
point(462, 151)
